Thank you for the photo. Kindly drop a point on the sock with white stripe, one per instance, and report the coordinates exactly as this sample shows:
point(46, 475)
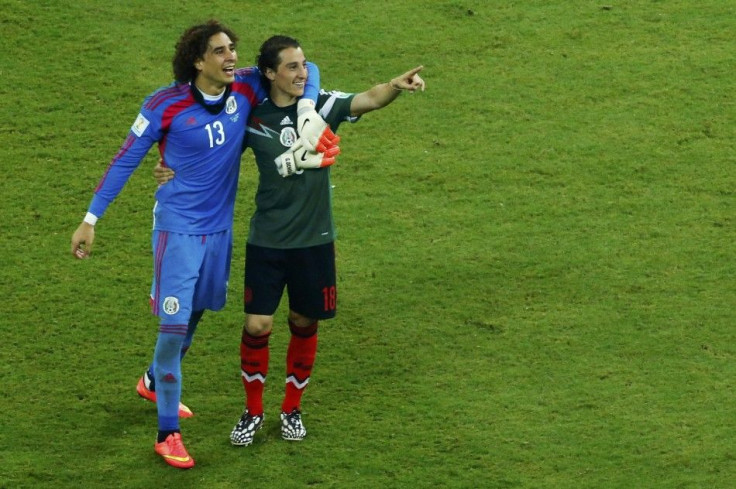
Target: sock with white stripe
point(254, 356)
point(299, 362)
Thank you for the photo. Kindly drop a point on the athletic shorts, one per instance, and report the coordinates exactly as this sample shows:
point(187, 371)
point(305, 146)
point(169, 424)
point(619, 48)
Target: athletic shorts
point(307, 273)
point(190, 273)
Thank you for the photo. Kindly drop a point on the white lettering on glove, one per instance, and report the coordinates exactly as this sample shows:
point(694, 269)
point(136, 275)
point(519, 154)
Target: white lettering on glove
point(298, 157)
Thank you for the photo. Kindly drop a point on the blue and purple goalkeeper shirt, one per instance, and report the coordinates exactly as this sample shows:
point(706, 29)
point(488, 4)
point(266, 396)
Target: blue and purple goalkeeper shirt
point(201, 143)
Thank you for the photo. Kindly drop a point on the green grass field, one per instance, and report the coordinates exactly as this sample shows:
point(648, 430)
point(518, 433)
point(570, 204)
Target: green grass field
point(536, 255)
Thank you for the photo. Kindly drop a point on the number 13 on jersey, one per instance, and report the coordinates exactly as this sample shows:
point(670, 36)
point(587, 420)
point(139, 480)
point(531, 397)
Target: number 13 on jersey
point(216, 133)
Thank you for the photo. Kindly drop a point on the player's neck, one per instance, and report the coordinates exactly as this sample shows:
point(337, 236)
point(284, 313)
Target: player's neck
point(282, 99)
point(210, 89)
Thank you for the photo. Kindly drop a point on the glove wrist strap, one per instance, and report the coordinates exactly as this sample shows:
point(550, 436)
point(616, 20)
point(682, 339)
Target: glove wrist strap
point(304, 105)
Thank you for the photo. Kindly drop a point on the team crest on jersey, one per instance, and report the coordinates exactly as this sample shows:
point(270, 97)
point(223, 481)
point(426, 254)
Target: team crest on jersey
point(171, 305)
point(140, 125)
point(231, 105)
point(288, 136)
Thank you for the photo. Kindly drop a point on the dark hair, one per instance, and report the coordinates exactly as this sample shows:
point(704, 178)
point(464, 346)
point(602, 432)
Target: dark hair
point(269, 56)
point(192, 45)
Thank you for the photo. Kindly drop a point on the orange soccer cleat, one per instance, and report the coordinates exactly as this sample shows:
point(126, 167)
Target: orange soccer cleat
point(173, 451)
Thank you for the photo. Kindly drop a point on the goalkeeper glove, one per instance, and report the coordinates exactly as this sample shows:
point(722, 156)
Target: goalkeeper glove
point(313, 130)
point(299, 158)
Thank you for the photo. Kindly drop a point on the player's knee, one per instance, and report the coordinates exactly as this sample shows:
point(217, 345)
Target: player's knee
point(168, 347)
point(258, 325)
point(299, 320)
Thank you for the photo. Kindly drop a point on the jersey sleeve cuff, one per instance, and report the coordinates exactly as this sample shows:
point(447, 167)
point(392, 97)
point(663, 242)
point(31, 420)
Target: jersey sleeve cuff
point(90, 219)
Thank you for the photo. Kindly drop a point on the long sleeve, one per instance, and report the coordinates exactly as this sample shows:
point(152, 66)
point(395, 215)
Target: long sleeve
point(118, 172)
point(311, 90)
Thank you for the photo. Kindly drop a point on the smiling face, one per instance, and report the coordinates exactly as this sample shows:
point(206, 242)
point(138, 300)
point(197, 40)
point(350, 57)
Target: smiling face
point(216, 69)
point(289, 77)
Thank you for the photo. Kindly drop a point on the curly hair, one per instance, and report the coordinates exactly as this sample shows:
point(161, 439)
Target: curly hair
point(269, 55)
point(192, 46)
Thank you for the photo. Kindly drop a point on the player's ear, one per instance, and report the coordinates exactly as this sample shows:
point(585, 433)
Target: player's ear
point(270, 74)
point(198, 64)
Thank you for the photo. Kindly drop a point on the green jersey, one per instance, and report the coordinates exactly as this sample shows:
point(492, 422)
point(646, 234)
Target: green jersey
point(296, 211)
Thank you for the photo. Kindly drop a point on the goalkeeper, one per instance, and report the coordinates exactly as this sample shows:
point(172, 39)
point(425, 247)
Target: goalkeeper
point(292, 233)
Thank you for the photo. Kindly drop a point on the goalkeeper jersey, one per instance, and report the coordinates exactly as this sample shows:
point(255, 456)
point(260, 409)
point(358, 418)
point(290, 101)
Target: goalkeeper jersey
point(202, 143)
point(296, 211)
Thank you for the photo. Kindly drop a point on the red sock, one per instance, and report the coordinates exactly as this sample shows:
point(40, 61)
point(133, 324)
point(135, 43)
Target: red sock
point(254, 354)
point(299, 362)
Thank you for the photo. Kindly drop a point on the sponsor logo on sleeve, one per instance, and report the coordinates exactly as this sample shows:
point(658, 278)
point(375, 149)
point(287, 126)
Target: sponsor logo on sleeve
point(140, 125)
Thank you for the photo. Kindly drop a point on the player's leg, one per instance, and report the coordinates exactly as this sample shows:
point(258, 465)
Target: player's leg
point(300, 357)
point(146, 387)
point(191, 329)
point(311, 285)
point(211, 288)
point(177, 261)
point(167, 373)
point(264, 285)
point(254, 360)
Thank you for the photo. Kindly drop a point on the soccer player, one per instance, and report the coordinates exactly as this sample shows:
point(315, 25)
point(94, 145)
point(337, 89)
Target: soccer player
point(199, 124)
point(291, 238)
